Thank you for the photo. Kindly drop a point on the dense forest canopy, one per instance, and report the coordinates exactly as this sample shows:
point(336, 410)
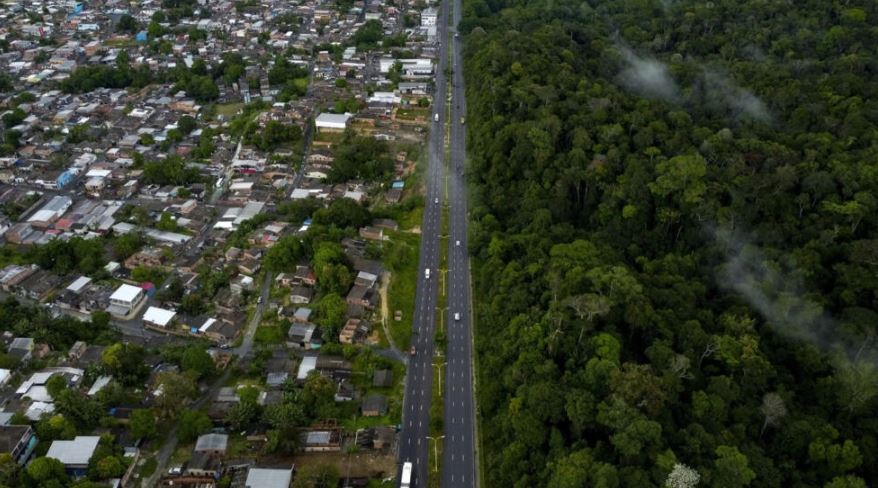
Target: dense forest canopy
point(674, 222)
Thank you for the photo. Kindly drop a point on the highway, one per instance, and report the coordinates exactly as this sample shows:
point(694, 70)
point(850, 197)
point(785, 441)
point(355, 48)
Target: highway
point(413, 443)
point(459, 454)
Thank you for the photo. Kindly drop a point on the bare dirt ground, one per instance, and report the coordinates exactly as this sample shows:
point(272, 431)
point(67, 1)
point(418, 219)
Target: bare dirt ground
point(361, 464)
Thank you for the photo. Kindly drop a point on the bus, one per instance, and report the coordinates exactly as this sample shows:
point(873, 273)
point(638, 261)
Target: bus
point(405, 479)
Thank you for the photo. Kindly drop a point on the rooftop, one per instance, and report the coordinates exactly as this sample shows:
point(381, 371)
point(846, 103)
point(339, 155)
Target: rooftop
point(75, 452)
point(268, 478)
point(126, 293)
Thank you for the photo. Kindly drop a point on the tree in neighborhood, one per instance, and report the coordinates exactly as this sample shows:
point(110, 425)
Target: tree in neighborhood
point(176, 389)
point(191, 424)
point(142, 423)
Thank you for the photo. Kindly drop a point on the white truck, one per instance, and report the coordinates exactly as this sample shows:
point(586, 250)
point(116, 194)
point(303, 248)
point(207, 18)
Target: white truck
point(436, 117)
point(427, 273)
point(405, 479)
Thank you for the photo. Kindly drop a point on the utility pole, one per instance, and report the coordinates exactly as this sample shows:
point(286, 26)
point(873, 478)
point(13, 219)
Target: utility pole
point(436, 450)
point(440, 366)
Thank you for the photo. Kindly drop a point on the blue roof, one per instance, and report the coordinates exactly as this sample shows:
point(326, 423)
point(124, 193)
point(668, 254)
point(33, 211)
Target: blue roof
point(141, 36)
point(398, 184)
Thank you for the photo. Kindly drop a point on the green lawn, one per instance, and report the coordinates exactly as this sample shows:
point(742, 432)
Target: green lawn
point(269, 334)
point(413, 113)
point(401, 258)
point(229, 109)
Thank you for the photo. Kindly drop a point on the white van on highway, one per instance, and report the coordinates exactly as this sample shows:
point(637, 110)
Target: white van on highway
point(427, 273)
point(456, 315)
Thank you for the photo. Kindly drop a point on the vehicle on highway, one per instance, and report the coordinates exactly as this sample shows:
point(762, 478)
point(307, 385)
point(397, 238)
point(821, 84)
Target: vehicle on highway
point(259, 300)
point(457, 243)
point(436, 200)
point(456, 315)
point(405, 479)
point(462, 121)
point(457, 34)
point(427, 273)
point(412, 351)
point(436, 117)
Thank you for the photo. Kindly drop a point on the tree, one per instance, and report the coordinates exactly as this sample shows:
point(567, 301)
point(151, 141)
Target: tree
point(83, 411)
point(142, 424)
point(55, 385)
point(126, 363)
point(197, 360)
point(731, 468)
point(110, 467)
point(848, 481)
point(682, 476)
point(191, 424)
point(186, 124)
point(317, 476)
point(46, 471)
point(285, 254)
point(331, 315)
point(773, 408)
point(176, 389)
point(127, 24)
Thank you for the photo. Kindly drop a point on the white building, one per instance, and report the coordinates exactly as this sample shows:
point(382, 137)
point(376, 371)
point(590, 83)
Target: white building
point(125, 299)
point(158, 317)
point(332, 122)
point(51, 211)
point(268, 478)
point(390, 98)
point(75, 454)
point(428, 17)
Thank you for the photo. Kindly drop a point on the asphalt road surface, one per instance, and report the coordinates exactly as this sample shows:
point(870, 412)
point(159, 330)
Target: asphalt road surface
point(459, 454)
point(419, 378)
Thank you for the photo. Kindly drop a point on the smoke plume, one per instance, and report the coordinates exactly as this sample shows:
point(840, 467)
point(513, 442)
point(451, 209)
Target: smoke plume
point(742, 102)
point(647, 77)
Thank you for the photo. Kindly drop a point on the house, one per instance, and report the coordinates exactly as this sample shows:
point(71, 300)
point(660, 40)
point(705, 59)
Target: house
point(321, 440)
point(18, 441)
point(366, 279)
point(333, 367)
point(345, 392)
point(354, 331)
point(249, 266)
point(51, 211)
point(74, 454)
point(428, 17)
point(301, 295)
point(303, 336)
point(204, 465)
point(21, 348)
point(219, 330)
point(302, 315)
point(39, 285)
point(158, 317)
point(304, 276)
point(363, 296)
point(372, 233)
point(125, 299)
point(383, 378)
point(308, 364)
point(284, 279)
point(374, 406)
point(212, 444)
point(268, 478)
point(242, 283)
point(149, 258)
